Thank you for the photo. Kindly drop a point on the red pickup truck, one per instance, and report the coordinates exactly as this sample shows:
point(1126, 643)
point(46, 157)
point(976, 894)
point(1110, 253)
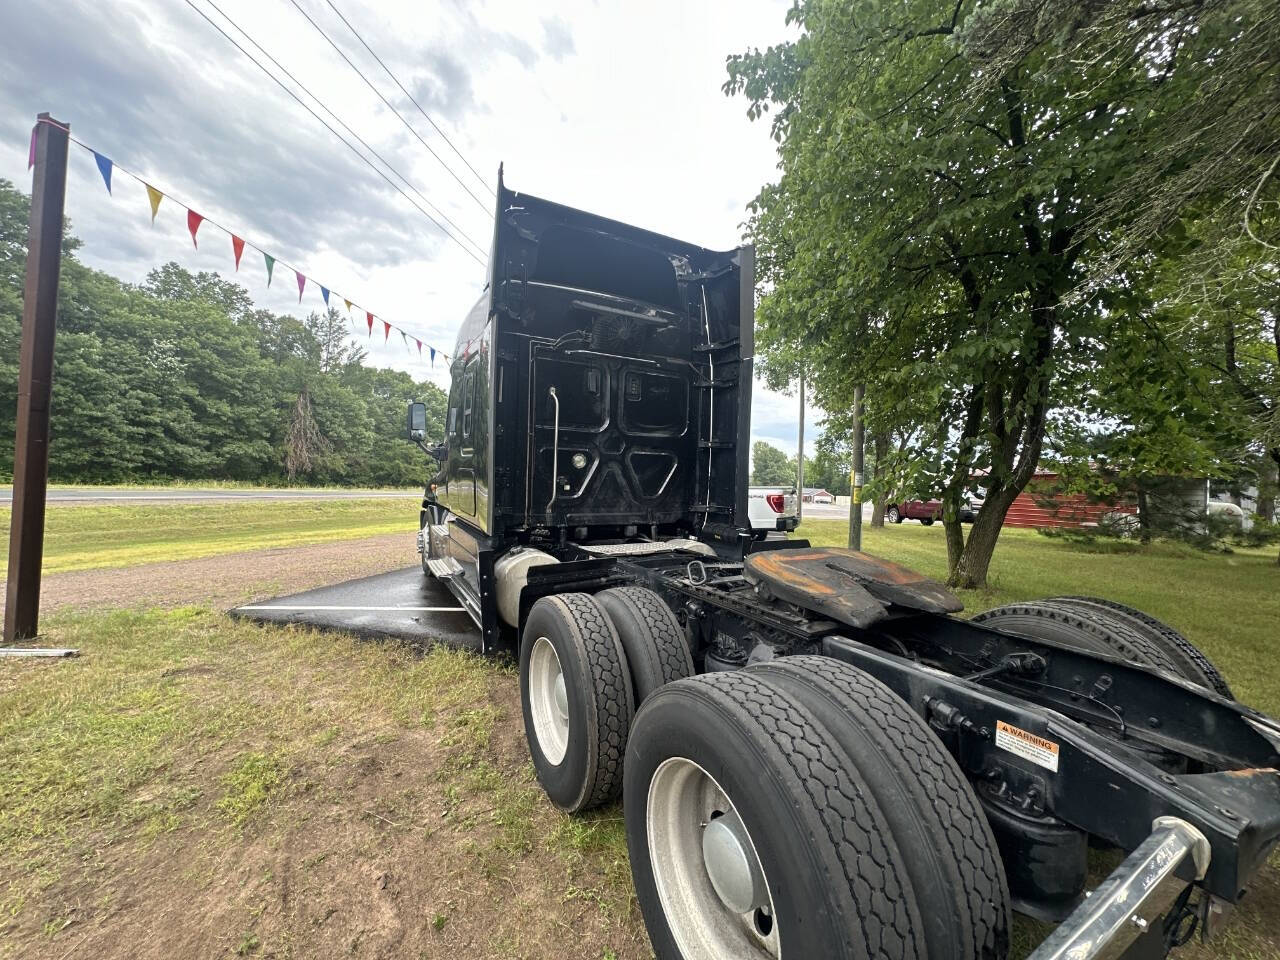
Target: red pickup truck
point(926, 511)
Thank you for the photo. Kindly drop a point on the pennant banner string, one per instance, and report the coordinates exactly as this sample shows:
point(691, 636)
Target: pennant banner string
point(106, 166)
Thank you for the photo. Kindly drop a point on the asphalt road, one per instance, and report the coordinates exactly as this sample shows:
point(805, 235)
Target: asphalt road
point(118, 494)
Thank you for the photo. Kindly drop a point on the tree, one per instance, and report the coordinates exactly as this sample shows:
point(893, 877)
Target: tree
point(304, 444)
point(936, 221)
point(180, 377)
point(770, 467)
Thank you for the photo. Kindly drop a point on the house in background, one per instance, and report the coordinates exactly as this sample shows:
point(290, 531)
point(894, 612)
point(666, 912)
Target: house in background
point(818, 495)
point(1041, 505)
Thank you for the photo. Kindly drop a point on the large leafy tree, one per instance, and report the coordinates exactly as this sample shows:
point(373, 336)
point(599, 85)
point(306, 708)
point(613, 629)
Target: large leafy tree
point(180, 377)
point(939, 211)
point(770, 467)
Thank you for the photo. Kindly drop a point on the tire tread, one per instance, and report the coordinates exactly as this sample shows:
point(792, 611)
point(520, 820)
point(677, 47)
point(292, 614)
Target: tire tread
point(660, 655)
point(904, 742)
point(852, 825)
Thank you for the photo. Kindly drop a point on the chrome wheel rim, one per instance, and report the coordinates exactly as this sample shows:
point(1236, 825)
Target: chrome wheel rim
point(548, 701)
point(708, 874)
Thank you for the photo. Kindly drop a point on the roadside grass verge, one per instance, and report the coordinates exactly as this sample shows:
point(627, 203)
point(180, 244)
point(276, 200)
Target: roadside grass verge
point(1226, 604)
point(92, 537)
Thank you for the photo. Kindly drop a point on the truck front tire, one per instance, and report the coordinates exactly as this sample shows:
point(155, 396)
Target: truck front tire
point(754, 832)
point(575, 692)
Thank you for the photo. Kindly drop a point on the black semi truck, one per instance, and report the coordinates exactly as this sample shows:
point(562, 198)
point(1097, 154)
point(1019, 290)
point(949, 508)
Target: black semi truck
point(816, 757)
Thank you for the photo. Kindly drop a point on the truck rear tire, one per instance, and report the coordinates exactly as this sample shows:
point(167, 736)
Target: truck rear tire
point(1081, 628)
point(575, 692)
point(948, 849)
point(657, 652)
point(1190, 661)
point(750, 825)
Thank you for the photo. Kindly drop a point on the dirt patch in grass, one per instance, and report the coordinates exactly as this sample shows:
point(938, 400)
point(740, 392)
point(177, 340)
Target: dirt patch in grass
point(228, 580)
point(194, 786)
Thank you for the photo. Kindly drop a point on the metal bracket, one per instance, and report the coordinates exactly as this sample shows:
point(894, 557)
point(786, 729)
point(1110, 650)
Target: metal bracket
point(1124, 905)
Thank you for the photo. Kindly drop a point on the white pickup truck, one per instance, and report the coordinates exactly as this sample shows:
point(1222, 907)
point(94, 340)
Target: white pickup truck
point(772, 509)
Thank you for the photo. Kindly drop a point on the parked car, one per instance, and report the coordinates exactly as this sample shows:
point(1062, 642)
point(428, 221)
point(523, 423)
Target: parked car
point(926, 511)
point(771, 509)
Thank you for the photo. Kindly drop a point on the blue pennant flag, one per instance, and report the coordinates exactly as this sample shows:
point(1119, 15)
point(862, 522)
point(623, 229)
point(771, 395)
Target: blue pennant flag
point(324, 292)
point(433, 355)
point(104, 165)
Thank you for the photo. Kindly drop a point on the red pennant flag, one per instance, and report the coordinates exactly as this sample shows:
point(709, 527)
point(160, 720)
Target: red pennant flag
point(386, 331)
point(419, 342)
point(193, 224)
point(369, 317)
point(302, 282)
point(237, 247)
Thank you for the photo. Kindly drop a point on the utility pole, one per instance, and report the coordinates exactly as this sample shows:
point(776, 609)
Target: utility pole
point(855, 494)
point(800, 457)
point(35, 379)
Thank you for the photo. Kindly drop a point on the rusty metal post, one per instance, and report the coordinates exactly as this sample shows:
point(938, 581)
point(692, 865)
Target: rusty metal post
point(35, 380)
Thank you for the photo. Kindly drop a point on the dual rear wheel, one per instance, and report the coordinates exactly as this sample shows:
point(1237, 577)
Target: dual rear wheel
point(796, 808)
point(800, 809)
point(586, 663)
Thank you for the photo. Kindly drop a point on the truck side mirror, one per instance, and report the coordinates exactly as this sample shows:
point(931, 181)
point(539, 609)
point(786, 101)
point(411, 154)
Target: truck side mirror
point(417, 420)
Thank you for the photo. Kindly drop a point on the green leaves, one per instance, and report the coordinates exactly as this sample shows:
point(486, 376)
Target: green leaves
point(182, 378)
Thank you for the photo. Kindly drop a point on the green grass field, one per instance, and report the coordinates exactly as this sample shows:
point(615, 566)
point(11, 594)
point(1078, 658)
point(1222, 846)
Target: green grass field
point(187, 758)
point(91, 537)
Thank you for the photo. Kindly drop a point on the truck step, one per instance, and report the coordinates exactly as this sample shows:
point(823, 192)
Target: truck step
point(439, 531)
point(442, 568)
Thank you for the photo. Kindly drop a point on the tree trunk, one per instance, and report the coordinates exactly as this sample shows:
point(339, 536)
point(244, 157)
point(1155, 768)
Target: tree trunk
point(1144, 515)
point(880, 445)
point(953, 530)
point(1268, 484)
point(971, 571)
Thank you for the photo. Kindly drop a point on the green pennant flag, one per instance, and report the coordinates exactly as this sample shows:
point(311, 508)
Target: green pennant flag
point(271, 262)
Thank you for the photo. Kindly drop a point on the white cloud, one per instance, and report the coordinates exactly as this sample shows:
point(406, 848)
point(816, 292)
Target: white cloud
point(613, 108)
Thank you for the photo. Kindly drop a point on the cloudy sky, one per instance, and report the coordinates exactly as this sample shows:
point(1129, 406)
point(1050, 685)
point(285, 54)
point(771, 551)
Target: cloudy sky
point(613, 107)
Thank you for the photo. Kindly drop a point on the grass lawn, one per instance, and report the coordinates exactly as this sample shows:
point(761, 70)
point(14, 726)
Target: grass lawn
point(91, 537)
point(196, 786)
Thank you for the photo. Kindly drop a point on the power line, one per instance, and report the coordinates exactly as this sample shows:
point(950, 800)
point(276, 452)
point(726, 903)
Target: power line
point(346, 142)
point(410, 96)
point(385, 162)
point(408, 126)
point(149, 184)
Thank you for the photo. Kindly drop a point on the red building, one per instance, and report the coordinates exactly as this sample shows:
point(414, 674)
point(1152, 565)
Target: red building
point(1040, 506)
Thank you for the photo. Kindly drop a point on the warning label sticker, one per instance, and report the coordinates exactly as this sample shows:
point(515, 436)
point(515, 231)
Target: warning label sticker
point(1038, 750)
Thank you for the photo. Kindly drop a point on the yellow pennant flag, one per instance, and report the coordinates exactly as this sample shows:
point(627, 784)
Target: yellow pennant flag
point(348, 303)
point(155, 196)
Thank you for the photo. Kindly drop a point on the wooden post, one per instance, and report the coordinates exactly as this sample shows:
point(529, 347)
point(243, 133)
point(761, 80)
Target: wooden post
point(855, 487)
point(800, 456)
point(35, 380)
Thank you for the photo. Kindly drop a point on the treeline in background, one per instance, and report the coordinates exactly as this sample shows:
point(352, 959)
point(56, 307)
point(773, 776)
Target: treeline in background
point(181, 378)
